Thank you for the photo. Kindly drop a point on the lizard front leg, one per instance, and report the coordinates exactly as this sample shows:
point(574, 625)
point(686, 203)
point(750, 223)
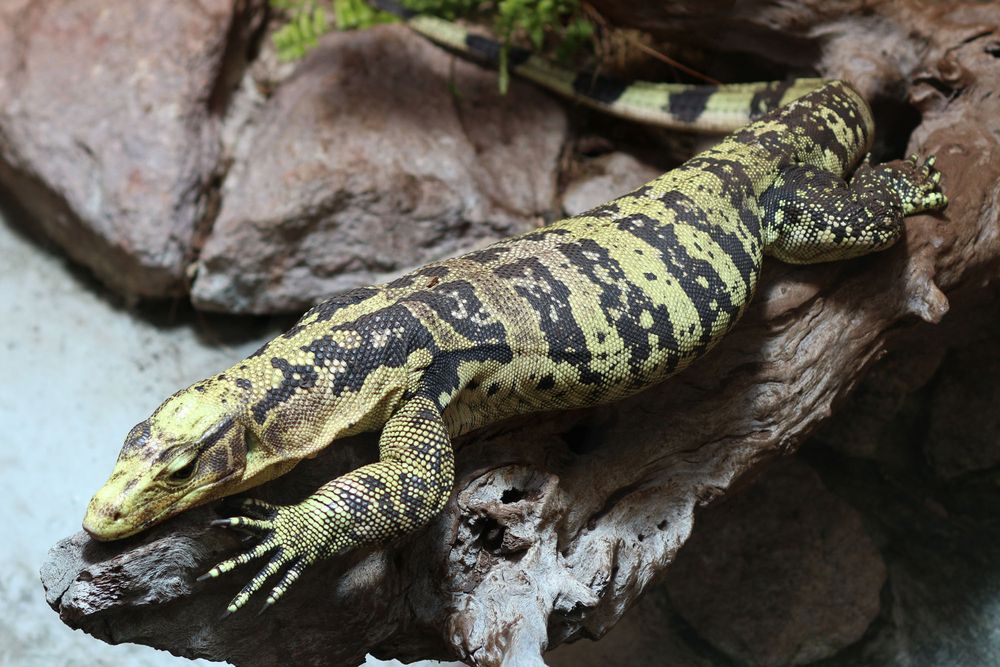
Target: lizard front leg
point(812, 215)
point(408, 486)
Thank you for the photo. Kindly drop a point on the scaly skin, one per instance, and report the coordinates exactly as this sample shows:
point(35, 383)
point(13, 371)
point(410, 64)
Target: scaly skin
point(680, 106)
point(585, 311)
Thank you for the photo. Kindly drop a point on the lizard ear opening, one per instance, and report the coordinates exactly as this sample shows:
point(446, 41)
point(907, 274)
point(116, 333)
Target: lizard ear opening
point(250, 440)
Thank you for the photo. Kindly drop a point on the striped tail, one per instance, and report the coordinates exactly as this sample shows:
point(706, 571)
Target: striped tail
point(699, 108)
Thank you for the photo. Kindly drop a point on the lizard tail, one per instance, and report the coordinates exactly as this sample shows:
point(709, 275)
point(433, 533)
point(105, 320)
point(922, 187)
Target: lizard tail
point(699, 108)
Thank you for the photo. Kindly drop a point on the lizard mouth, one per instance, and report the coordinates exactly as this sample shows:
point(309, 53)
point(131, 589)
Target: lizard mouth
point(105, 525)
point(106, 522)
point(106, 530)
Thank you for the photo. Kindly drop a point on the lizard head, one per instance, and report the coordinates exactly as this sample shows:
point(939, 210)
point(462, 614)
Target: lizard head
point(193, 449)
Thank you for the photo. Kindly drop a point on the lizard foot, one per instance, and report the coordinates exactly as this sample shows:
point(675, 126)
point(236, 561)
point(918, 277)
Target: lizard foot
point(297, 536)
point(919, 185)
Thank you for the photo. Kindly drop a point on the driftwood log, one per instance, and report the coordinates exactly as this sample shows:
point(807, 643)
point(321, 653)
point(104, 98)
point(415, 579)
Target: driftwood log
point(560, 522)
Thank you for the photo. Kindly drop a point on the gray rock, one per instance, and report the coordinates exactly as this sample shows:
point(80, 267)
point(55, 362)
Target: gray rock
point(783, 574)
point(381, 152)
point(109, 127)
point(606, 177)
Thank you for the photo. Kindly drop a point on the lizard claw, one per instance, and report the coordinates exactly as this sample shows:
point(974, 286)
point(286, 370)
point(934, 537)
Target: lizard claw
point(288, 537)
point(291, 574)
point(245, 523)
point(280, 559)
point(919, 185)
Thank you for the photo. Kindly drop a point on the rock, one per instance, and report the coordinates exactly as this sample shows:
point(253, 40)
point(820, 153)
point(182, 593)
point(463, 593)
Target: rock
point(651, 633)
point(964, 431)
point(109, 128)
point(605, 178)
point(380, 153)
point(937, 531)
point(879, 397)
point(781, 574)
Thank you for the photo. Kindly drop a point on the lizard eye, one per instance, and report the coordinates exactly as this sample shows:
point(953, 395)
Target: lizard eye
point(184, 474)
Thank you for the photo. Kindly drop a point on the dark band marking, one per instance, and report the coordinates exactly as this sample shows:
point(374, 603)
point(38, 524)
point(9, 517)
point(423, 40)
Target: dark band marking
point(688, 212)
point(697, 277)
point(807, 126)
point(457, 304)
point(458, 307)
point(217, 433)
point(413, 496)
point(384, 335)
point(549, 302)
point(623, 305)
point(603, 89)
point(689, 105)
point(295, 377)
point(608, 210)
point(488, 255)
point(327, 309)
point(768, 98)
point(489, 50)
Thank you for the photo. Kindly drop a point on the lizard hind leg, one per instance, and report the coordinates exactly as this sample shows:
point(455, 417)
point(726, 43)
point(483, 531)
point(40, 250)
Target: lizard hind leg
point(812, 215)
point(403, 491)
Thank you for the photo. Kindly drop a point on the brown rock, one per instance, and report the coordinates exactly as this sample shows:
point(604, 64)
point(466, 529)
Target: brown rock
point(782, 574)
point(108, 130)
point(965, 414)
point(380, 153)
point(649, 634)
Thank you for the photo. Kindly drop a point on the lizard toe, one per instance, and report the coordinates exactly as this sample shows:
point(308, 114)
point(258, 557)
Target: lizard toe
point(280, 558)
point(291, 574)
point(244, 522)
point(242, 559)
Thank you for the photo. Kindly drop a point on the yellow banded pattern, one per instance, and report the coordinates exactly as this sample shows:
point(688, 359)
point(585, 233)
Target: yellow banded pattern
point(585, 311)
point(679, 106)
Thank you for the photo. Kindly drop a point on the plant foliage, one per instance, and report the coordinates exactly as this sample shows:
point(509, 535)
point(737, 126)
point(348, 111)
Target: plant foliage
point(559, 24)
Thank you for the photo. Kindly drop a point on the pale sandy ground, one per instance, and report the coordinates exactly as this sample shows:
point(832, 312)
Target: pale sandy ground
point(78, 370)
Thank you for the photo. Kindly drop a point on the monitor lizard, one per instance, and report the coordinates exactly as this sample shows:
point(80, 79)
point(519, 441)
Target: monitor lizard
point(585, 311)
